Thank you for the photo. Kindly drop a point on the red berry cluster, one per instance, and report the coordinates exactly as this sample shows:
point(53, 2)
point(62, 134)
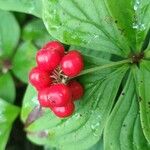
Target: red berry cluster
point(52, 76)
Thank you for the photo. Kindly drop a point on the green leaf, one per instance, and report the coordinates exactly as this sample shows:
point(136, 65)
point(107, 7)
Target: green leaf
point(141, 24)
point(147, 52)
point(98, 145)
point(84, 128)
point(36, 32)
point(123, 129)
point(29, 102)
point(24, 60)
point(85, 23)
point(143, 85)
point(7, 88)
point(33, 7)
point(9, 33)
point(8, 114)
point(133, 20)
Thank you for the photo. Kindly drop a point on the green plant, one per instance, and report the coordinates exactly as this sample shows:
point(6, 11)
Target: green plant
point(113, 36)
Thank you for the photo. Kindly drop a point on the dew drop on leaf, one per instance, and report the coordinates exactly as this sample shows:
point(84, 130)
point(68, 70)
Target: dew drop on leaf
point(137, 4)
point(94, 126)
point(139, 26)
point(77, 115)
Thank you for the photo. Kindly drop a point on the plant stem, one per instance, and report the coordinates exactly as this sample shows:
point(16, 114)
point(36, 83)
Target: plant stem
point(98, 68)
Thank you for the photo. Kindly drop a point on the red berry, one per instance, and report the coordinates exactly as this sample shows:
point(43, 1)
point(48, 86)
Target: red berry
point(44, 102)
point(76, 89)
point(39, 79)
point(57, 95)
point(72, 63)
point(48, 60)
point(64, 111)
point(55, 45)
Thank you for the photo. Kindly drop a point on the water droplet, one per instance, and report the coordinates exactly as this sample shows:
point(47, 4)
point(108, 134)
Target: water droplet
point(77, 115)
point(94, 126)
point(96, 36)
point(138, 1)
point(95, 134)
point(139, 26)
point(142, 27)
point(137, 4)
point(135, 7)
point(135, 26)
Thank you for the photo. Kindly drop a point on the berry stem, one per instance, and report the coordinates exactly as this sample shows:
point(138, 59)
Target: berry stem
point(98, 68)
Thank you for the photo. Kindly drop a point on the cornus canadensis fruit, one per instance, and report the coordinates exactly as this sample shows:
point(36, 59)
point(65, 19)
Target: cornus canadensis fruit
point(56, 95)
point(72, 63)
point(48, 60)
point(55, 46)
point(51, 78)
point(76, 89)
point(39, 79)
point(64, 111)
point(43, 100)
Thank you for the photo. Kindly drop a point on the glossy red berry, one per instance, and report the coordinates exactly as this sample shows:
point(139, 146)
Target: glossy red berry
point(57, 95)
point(64, 111)
point(76, 89)
point(39, 79)
point(48, 60)
point(44, 102)
point(72, 63)
point(56, 46)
